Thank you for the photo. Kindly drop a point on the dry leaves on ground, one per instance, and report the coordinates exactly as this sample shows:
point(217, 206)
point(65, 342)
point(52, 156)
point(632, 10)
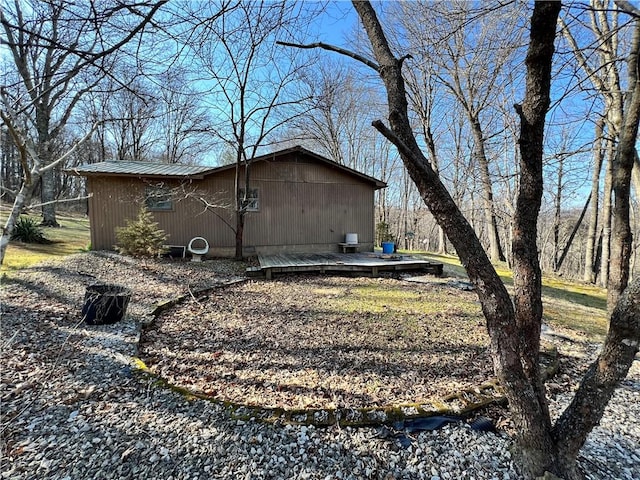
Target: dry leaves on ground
point(323, 342)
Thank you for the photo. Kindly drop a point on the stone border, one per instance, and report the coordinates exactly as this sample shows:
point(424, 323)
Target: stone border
point(461, 404)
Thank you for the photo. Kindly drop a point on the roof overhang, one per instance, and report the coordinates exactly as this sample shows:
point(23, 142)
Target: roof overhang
point(185, 172)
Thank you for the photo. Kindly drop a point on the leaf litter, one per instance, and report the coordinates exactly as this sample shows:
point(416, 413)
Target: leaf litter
point(323, 342)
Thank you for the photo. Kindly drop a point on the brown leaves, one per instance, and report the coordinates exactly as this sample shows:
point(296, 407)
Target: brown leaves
point(323, 342)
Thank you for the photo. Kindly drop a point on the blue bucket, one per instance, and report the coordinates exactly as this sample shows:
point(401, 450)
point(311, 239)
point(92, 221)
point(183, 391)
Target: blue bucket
point(387, 247)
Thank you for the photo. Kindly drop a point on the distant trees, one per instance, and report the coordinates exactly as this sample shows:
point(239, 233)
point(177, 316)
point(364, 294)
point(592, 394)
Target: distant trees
point(596, 40)
point(152, 117)
point(469, 55)
point(210, 85)
point(58, 52)
point(337, 122)
point(337, 125)
point(184, 124)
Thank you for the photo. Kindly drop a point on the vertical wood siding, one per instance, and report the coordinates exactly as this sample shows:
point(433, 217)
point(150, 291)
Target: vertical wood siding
point(304, 206)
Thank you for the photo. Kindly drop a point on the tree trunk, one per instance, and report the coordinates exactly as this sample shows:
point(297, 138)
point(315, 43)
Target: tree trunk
point(534, 426)
point(48, 197)
point(431, 147)
point(573, 234)
point(22, 198)
point(623, 162)
point(47, 178)
point(495, 248)
point(239, 234)
point(442, 241)
point(592, 230)
point(606, 215)
point(611, 366)
point(557, 217)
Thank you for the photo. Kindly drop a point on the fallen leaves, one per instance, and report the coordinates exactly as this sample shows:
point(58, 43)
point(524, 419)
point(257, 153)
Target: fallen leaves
point(303, 342)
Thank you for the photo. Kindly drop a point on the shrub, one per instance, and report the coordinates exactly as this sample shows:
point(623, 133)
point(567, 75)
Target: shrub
point(383, 233)
point(141, 237)
point(28, 230)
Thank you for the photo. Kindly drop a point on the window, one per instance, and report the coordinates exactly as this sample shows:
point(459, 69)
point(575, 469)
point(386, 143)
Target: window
point(253, 199)
point(158, 198)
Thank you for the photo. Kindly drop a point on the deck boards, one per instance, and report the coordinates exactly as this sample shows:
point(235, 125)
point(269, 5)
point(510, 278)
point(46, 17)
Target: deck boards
point(366, 263)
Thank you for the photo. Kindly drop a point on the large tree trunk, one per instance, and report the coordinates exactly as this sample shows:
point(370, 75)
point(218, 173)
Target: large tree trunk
point(623, 163)
point(517, 370)
point(606, 215)
point(47, 178)
point(534, 435)
point(514, 334)
point(48, 196)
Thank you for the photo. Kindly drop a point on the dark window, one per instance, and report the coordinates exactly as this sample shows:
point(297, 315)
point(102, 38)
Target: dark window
point(158, 199)
point(253, 199)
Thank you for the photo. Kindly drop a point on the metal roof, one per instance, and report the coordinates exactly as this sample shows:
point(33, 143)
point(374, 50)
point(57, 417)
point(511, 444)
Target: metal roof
point(140, 168)
point(177, 170)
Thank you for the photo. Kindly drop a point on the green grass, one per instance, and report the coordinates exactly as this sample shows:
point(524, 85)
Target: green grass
point(403, 312)
point(572, 305)
point(72, 237)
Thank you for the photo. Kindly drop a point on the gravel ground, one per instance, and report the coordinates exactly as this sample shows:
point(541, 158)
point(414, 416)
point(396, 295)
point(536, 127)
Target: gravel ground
point(73, 407)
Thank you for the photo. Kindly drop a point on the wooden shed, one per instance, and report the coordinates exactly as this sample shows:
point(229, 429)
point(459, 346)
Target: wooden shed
point(300, 202)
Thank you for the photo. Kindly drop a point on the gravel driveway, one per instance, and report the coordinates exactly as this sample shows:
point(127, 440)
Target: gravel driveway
point(74, 408)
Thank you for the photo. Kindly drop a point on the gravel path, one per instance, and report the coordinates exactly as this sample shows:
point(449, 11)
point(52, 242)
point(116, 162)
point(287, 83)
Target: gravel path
point(73, 407)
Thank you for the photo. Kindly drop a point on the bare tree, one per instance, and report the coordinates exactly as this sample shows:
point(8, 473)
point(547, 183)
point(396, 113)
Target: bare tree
point(59, 51)
point(595, 40)
point(422, 93)
point(469, 59)
point(339, 122)
point(252, 82)
point(598, 156)
point(183, 119)
point(130, 109)
point(514, 328)
point(338, 125)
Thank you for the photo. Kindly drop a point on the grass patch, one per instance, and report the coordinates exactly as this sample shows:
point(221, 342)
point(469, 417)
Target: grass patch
point(403, 311)
point(572, 305)
point(592, 322)
point(582, 294)
point(73, 236)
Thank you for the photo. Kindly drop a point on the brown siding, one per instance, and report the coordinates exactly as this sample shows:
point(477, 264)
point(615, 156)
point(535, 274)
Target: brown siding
point(304, 206)
point(312, 205)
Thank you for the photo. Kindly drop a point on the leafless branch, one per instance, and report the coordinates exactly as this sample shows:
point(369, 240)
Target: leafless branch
point(69, 152)
point(57, 201)
point(628, 7)
point(333, 48)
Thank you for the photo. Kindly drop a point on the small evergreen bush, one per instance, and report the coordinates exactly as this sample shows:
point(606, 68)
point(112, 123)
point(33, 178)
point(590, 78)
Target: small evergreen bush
point(383, 233)
point(141, 237)
point(28, 230)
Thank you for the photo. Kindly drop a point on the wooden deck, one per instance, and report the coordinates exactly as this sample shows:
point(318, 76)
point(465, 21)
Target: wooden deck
point(364, 263)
